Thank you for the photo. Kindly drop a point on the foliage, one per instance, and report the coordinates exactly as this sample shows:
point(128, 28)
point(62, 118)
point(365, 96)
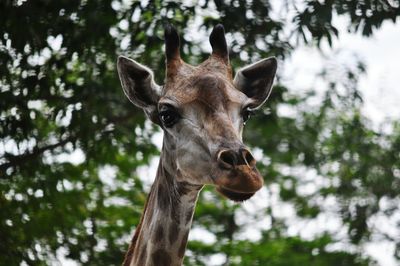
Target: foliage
point(60, 97)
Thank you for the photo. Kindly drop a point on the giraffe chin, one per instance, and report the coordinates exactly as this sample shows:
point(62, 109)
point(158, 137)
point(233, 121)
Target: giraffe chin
point(233, 195)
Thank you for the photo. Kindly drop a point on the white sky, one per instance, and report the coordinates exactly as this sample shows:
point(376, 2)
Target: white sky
point(381, 53)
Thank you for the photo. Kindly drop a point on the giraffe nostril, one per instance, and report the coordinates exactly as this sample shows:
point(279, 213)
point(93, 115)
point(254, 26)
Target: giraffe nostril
point(227, 159)
point(248, 157)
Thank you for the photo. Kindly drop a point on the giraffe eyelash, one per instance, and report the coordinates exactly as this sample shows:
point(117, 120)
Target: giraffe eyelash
point(246, 114)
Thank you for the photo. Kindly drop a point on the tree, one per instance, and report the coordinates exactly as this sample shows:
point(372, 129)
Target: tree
point(60, 98)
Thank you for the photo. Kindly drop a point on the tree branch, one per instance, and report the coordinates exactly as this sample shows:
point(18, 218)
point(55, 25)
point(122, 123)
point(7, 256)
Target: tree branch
point(17, 160)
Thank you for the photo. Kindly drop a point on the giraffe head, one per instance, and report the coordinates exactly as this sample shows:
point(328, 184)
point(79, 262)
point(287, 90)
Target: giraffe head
point(202, 111)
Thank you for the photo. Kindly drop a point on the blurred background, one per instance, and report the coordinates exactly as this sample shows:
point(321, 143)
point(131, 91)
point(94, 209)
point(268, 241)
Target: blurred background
point(77, 159)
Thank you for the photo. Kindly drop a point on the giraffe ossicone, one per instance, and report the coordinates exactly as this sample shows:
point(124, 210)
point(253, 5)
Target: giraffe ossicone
point(202, 111)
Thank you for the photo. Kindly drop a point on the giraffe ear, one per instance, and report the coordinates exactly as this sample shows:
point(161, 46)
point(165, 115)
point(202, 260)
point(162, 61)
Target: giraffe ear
point(139, 86)
point(256, 80)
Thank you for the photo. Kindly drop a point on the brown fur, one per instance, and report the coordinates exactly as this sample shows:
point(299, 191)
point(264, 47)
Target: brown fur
point(129, 253)
point(161, 258)
point(182, 247)
point(189, 215)
point(159, 234)
point(142, 256)
point(173, 233)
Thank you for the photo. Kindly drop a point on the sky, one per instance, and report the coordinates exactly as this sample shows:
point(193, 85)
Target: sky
point(380, 85)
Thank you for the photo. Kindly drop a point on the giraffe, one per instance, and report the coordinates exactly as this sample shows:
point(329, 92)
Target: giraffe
point(201, 111)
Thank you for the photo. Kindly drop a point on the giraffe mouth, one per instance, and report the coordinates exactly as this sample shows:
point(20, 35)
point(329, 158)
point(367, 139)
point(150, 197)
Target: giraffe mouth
point(233, 195)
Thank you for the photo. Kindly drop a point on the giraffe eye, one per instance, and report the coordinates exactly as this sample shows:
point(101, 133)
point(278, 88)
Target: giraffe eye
point(169, 117)
point(246, 114)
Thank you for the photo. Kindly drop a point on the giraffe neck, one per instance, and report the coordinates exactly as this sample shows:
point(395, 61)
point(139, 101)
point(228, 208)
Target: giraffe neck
point(161, 236)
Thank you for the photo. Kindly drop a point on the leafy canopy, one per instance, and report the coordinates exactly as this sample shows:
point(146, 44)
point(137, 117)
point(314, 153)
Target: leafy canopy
point(71, 144)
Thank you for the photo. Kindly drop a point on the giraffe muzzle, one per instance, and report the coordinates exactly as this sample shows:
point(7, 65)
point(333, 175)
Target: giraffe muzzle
point(238, 178)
